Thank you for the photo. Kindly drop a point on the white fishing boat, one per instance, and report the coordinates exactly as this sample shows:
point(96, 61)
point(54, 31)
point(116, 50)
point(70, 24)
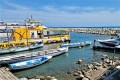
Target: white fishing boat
point(110, 42)
point(15, 49)
point(8, 50)
point(21, 48)
point(73, 45)
point(36, 45)
point(22, 57)
point(30, 63)
point(117, 48)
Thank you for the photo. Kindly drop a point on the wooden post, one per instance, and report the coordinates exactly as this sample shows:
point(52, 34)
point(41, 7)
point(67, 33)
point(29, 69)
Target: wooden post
point(94, 43)
point(113, 56)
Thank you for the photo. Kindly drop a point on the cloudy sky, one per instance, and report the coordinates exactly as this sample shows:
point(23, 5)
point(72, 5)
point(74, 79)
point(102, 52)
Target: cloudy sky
point(63, 13)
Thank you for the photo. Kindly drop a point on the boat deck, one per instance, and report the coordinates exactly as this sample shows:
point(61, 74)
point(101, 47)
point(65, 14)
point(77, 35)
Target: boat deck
point(7, 75)
point(105, 48)
point(51, 52)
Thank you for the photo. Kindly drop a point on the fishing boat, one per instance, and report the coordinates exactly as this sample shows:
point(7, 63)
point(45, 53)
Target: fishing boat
point(36, 45)
point(110, 42)
point(8, 50)
point(32, 46)
point(58, 51)
point(117, 48)
point(21, 48)
point(23, 57)
point(73, 45)
point(29, 63)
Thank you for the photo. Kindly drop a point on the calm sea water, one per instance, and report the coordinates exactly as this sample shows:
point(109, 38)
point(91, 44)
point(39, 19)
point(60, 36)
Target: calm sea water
point(60, 65)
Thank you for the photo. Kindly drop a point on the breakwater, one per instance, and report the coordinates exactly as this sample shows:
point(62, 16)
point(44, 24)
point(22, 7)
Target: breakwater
point(102, 31)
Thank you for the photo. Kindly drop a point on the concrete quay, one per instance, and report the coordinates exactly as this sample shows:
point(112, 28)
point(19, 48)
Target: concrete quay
point(5, 74)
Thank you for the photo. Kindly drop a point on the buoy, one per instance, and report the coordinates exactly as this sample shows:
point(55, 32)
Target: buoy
point(79, 47)
point(80, 61)
point(58, 47)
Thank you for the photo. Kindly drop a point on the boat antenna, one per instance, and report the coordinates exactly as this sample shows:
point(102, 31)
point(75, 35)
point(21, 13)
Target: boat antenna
point(31, 17)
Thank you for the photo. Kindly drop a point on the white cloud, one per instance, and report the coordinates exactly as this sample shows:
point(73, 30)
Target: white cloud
point(63, 17)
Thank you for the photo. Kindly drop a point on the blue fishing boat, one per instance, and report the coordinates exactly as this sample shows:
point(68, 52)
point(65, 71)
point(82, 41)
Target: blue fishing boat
point(29, 63)
point(73, 45)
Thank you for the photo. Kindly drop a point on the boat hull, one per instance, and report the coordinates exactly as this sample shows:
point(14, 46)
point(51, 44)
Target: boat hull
point(20, 49)
point(111, 44)
point(30, 63)
point(5, 51)
point(74, 45)
point(28, 56)
point(36, 46)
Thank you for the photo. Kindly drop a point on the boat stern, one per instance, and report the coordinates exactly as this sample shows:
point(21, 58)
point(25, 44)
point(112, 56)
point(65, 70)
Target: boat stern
point(67, 49)
point(49, 57)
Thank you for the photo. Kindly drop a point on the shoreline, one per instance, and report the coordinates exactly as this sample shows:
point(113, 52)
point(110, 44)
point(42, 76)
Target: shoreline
point(97, 70)
point(94, 71)
point(101, 31)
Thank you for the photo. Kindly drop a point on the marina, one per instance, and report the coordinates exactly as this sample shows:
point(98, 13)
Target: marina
point(68, 60)
point(56, 61)
point(60, 40)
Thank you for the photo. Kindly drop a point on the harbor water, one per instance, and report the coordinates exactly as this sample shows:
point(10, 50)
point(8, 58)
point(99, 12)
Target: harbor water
point(59, 66)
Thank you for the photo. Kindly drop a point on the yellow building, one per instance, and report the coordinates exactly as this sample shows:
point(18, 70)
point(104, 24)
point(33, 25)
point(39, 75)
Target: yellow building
point(32, 32)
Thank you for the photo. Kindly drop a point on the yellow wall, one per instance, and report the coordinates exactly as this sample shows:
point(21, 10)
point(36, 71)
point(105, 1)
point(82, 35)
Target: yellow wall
point(57, 37)
point(16, 43)
point(20, 33)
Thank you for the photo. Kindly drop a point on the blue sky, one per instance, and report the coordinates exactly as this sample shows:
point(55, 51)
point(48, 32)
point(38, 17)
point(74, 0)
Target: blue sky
point(65, 13)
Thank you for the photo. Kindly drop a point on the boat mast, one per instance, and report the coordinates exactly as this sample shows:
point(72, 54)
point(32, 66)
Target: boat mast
point(7, 34)
point(26, 32)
